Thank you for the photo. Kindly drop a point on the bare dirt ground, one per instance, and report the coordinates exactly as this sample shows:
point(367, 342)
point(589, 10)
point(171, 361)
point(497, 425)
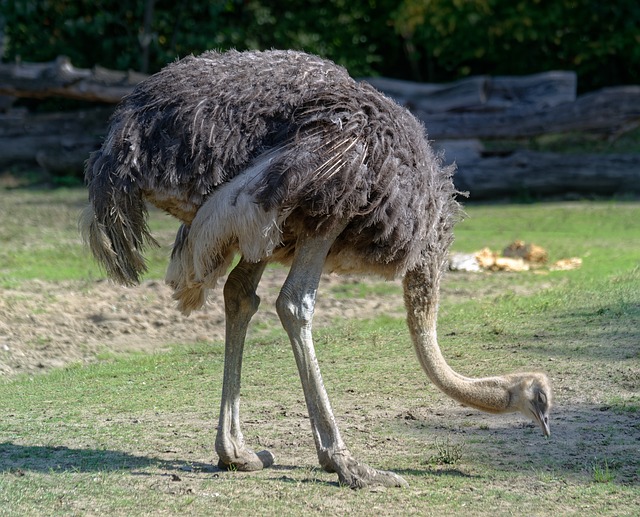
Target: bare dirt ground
point(44, 325)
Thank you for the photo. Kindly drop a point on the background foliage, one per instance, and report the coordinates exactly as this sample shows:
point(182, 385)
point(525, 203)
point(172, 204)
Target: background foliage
point(430, 40)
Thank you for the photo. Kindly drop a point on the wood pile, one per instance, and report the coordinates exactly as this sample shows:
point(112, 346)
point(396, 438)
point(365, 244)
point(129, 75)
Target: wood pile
point(457, 117)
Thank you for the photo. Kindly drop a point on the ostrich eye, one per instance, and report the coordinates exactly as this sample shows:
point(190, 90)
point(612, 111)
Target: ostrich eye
point(542, 398)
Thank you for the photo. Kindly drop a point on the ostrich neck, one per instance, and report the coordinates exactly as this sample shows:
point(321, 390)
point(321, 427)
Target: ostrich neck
point(489, 394)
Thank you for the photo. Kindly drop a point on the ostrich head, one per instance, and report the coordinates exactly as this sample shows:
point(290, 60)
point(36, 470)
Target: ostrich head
point(531, 395)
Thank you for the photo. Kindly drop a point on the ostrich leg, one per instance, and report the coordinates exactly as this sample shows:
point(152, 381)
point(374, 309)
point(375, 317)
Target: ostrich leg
point(240, 303)
point(295, 307)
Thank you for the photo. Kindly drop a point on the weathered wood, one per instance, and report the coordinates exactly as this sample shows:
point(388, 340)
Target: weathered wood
point(478, 107)
point(481, 107)
point(535, 91)
point(515, 107)
point(59, 142)
point(435, 98)
point(483, 93)
point(459, 151)
point(547, 174)
point(606, 111)
point(60, 78)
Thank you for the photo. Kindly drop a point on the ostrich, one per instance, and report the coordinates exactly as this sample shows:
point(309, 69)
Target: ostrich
point(281, 156)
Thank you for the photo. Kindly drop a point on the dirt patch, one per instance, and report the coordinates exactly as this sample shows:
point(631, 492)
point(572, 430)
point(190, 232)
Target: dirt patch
point(45, 325)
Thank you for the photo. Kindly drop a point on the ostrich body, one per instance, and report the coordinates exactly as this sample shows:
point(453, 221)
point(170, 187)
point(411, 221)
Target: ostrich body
point(282, 157)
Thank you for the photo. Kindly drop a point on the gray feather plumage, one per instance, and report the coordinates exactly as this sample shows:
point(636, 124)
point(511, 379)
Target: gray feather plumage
point(343, 152)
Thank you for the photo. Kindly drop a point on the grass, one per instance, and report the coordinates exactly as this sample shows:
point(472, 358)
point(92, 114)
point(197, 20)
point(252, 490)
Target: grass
point(134, 435)
point(601, 471)
point(447, 452)
point(40, 238)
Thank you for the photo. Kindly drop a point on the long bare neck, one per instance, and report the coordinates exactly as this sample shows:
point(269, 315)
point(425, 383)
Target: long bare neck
point(491, 394)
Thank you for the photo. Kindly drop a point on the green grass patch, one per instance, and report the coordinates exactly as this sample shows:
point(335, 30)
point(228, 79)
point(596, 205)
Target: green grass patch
point(39, 232)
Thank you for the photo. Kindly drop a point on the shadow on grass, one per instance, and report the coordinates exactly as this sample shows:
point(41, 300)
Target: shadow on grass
point(19, 459)
point(310, 480)
point(436, 472)
point(407, 473)
point(36, 458)
point(584, 437)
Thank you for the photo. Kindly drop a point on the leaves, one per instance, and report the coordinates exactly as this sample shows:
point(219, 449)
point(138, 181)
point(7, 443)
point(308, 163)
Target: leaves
point(432, 40)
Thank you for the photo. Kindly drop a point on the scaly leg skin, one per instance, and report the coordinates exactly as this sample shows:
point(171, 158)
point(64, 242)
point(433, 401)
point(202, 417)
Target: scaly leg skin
point(241, 303)
point(295, 307)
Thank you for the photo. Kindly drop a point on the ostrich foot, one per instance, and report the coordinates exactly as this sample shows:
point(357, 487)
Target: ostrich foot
point(355, 474)
point(246, 460)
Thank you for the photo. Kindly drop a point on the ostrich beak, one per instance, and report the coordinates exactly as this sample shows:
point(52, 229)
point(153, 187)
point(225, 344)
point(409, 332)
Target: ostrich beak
point(543, 420)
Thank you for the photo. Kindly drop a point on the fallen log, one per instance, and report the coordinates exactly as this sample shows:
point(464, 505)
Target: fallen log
point(482, 93)
point(435, 98)
point(542, 174)
point(59, 78)
point(61, 142)
point(58, 142)
point(477, 107)
point(532, 92)
point(503, 107)
point(607, 111)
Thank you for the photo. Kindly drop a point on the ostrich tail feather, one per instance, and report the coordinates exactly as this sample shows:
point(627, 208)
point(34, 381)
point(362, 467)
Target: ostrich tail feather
point(114, 224)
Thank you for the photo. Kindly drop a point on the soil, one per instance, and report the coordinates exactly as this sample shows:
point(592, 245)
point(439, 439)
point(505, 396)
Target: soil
point(44, 325)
